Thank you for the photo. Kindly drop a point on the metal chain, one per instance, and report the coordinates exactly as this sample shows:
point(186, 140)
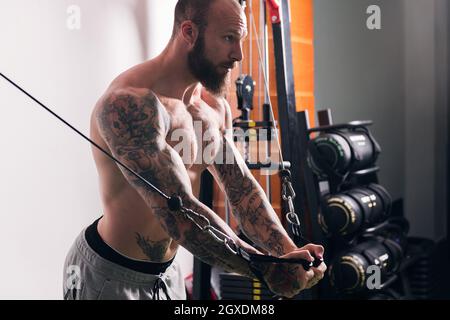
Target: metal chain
point(288, 195)
point(218, 235)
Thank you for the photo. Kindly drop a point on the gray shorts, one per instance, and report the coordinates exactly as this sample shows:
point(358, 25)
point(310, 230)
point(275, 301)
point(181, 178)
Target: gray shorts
point(88, 276)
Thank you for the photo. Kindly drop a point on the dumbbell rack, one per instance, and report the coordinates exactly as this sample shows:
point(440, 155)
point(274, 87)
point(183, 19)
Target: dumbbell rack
point(400, 281)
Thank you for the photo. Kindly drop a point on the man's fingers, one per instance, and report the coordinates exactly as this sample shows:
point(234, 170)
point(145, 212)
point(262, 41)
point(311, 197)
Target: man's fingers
point(299, 254)
point(322, 268)
point(319, 269)
point(316, 250)
point(310, 275)
point(319, 273)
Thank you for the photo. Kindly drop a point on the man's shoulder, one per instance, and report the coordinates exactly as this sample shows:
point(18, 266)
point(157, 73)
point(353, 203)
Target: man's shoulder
point(140, 106)
point(130, 92)
point(127, 97)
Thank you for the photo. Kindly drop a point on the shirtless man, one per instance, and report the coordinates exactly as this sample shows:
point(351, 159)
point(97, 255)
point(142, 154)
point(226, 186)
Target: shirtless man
point(128, 253)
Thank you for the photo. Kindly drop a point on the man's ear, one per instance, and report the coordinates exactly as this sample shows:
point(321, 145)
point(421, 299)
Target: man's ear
point(189, 33)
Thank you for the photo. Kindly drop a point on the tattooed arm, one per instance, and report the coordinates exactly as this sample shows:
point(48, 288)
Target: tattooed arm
point(249, 203)
point(134, 128)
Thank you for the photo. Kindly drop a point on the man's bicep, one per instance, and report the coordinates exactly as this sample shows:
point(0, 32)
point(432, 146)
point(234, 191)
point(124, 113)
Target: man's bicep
point(133, 128)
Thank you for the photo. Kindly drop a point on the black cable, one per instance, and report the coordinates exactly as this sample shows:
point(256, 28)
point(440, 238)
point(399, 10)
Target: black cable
point(86, 138)
point(175, 203)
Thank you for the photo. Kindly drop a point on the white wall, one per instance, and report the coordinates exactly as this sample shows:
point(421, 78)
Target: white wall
point(48, 189)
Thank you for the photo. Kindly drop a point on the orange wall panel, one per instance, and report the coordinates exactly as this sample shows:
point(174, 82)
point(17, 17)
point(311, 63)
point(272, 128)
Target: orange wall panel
point(302, 36)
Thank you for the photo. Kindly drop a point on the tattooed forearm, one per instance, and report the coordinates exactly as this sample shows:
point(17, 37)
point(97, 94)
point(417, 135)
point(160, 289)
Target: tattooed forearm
point(255, 215)
point(211, 252)
point(257, 223)
point(237, 188)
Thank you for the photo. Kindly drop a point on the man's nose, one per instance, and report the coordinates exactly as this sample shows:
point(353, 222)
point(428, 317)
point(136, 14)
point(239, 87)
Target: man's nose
point(237, 53)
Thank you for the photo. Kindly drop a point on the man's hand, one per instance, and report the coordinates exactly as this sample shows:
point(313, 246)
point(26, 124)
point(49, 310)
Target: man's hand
point(288, 280)
point(316, 251)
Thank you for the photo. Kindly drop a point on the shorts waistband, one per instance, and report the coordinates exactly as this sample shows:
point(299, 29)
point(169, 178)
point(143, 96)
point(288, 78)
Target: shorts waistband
point(104, 258)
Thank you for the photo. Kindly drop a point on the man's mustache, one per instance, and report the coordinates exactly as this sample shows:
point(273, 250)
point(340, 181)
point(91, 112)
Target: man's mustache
point(229, 65)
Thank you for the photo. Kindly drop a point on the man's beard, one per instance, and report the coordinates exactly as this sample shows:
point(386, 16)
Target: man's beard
point(204, 70)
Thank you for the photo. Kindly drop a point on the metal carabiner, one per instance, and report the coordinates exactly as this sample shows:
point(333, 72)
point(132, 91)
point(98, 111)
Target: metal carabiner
point(292, 218)
point(287, 187)
point(290, 205)
point(227, 245)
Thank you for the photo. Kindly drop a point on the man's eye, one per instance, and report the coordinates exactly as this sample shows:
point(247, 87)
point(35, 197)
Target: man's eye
point(229, 38)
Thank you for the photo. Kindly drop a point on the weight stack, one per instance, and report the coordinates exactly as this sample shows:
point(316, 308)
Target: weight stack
point(237, 287)
point(422, 275)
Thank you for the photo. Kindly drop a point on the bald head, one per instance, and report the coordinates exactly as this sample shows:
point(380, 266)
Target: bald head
point(228, 15)
point(198, 11)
